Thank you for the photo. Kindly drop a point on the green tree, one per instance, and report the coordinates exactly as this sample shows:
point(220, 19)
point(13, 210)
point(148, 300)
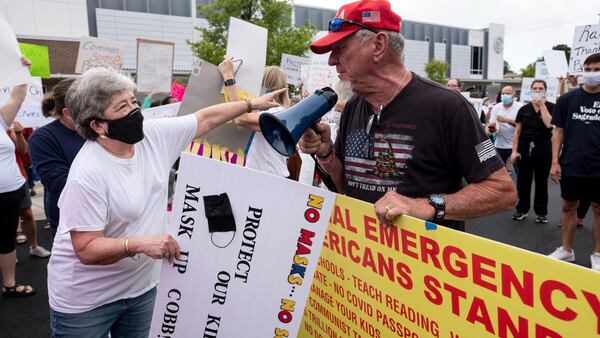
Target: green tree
point(528, 71)
point(276, 16)
point(436, 70)
point(507, 69)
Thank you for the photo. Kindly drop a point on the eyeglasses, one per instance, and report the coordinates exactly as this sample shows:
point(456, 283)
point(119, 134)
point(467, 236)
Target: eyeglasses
point(336, 24)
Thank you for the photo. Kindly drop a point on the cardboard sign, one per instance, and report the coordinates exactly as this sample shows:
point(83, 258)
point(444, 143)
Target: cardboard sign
point(177, 91)
point(556, 61)
point(321, 74)
point(13, 72)
point(250, 282)
point(586, 41)
point(96, 52)
point(168, 110)
point(30, 115)
point(409, 280)
point(226, 142)
point(551, 92)
point(248, 42)
point(40, 61)
point(154, 65)
point(291, 64)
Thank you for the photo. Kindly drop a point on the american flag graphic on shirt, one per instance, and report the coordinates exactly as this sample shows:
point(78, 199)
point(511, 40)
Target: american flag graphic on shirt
point(386, 167)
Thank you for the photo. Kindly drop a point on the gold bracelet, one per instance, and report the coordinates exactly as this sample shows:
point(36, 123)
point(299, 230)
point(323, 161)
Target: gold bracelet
point(248, 106)
point(126, 245)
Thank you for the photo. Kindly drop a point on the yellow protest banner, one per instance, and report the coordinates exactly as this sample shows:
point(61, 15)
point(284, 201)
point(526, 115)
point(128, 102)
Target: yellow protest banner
point(408, 281)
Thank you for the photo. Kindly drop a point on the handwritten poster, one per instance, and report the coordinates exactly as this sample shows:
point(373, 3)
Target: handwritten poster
point(541, 70)
point(40, 61)
point(586, 41)
point(291, 64)
point(168, 110)
point(551, 92)
point(416, 279)
point(30, 115)
point(252, 278)
point(177, 91)
point(13, 72)
point(154, 65)
point(321, 74)
point(97, 52)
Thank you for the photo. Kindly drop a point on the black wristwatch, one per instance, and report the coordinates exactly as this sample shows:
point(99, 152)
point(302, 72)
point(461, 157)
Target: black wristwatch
point(229, 82)
point(439, 204)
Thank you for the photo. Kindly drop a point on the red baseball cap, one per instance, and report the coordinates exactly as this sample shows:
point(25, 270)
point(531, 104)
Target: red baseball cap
point(376, 14)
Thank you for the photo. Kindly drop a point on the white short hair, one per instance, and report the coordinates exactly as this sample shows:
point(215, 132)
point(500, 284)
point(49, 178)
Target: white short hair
point(395, 40)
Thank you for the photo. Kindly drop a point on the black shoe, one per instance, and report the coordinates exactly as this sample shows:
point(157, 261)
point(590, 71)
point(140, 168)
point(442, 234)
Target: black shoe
point(541, 219)
point(519, 216)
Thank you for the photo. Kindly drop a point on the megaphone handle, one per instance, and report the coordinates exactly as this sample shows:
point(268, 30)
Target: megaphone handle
point(324, 176)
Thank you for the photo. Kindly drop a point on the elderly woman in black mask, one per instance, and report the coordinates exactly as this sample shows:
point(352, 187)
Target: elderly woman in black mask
point(103, 272)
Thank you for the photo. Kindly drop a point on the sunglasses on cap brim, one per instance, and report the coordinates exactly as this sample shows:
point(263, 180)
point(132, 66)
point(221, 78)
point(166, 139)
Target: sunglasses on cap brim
point(336, 24)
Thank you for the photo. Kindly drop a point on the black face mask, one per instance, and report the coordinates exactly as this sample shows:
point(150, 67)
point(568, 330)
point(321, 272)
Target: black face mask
point(128, 129)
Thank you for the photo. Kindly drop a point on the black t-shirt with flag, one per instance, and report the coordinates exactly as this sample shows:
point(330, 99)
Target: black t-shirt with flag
point(428, 139)
point(578, 113)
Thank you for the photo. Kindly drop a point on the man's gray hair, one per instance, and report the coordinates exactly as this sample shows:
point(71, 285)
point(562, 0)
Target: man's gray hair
point(395, 40)
point(91, 94)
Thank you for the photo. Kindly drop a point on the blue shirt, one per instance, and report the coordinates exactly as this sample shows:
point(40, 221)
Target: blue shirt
point(52, 149)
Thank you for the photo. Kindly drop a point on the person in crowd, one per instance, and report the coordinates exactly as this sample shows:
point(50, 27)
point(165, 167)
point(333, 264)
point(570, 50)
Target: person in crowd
point(261, 155)
point(532, 152)
point(53, 148)
point(407, 161)
point(104, 267)
point(454, 84)
point(576, 138)
point(502, 122)
point(11, 194)
point(26, 214)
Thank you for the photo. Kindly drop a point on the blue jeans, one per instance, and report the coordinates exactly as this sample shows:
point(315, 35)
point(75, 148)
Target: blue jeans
point(123, 318)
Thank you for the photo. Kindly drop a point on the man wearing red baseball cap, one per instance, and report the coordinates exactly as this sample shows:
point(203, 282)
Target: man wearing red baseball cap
point(405, 143)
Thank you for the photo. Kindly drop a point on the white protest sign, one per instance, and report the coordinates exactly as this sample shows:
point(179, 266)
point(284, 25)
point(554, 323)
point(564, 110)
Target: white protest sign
point(248, 42)
point(321, 74)
point(30, 115)
point(291, 64)
point(96, 52)
point(477, 104)
point(304, 70)
point(253, 282)
point(541, 70)
point(586, 41)
point(154, 65)
point(12, 71)
point(556, 62)
point(551, 92)
point(168, 110)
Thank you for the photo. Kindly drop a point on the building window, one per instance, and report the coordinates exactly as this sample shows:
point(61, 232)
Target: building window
point(476, 60)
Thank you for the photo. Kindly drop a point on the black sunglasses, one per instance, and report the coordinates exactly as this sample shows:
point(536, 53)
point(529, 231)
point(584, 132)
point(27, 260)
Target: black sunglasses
point(335, 25)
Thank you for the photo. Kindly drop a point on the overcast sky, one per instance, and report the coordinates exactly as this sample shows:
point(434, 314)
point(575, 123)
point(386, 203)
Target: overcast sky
point(530, 25)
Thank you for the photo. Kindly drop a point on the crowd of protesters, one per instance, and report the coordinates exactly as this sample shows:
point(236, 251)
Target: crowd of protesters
point(106, 192)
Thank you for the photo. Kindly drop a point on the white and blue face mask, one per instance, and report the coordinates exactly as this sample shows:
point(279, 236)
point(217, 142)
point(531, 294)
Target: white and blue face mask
point(506, 99)
point(591, 79)
point(541, 95)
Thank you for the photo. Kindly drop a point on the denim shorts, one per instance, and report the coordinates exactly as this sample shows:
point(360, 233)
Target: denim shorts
point(123, 318)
